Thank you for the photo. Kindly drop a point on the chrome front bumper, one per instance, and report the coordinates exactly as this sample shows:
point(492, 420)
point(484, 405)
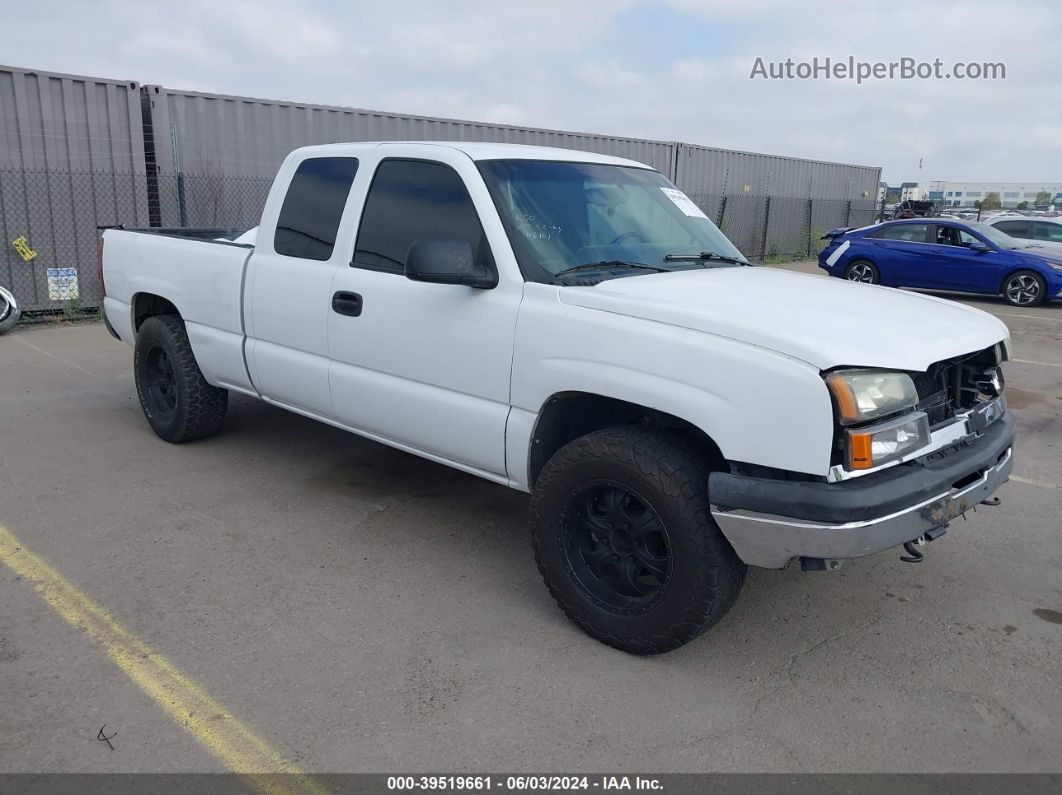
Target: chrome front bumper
point(835, 521)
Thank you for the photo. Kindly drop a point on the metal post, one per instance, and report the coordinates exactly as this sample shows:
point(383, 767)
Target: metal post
point(848, 213)
point(722, 211)
point(766, 225)
point(808, 254)
point(182, 205)
point(10, 283)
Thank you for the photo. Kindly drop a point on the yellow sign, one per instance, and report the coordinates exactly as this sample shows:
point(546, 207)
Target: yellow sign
point(22, 246)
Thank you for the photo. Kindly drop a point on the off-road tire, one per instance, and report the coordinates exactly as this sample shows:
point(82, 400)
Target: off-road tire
point(672, 475)
point(199, 409)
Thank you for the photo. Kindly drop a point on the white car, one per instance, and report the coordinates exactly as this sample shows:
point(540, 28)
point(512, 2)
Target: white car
point(1046, 232)
point(573, 326)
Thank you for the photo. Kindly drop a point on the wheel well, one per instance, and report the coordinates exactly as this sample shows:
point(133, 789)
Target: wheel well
point(147, 305)
point(568, 415)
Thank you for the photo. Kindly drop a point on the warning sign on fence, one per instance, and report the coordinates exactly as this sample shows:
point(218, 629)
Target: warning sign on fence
point(62, 284)
point(22, 246)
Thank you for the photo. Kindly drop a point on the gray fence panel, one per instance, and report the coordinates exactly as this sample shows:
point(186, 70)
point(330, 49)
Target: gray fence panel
point(56, 214)
point(69, 147)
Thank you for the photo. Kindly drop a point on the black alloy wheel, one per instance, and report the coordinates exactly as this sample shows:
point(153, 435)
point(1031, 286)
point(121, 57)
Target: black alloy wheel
point(161, 384)
point(617, 548)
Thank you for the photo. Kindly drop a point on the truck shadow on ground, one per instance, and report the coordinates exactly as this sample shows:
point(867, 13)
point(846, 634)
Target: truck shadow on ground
point(408, 499)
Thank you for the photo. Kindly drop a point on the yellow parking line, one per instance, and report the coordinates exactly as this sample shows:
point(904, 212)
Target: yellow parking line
point(236, 746)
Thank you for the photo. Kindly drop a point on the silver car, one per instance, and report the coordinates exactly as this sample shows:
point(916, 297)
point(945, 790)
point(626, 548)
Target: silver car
point(1046, 232)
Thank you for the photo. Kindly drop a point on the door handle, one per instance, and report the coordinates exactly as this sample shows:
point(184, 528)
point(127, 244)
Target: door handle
point(346, 303)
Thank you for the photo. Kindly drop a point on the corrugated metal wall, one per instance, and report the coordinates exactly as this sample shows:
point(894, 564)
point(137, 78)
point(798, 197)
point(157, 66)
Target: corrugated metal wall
point(71, 157)
point(702, 169)
point(212, 133)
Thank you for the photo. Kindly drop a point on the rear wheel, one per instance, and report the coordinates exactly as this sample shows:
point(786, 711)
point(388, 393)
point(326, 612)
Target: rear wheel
point(862, 271)
point(625, 541)
point(178, 402)
point(1024, 288)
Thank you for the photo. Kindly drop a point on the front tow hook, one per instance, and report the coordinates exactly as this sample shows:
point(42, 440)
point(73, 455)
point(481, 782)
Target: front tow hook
point(916, 555)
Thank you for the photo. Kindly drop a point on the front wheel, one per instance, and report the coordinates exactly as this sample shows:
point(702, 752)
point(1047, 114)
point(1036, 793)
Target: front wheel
point(625, 541)
point(1024, 288)
point(178, 402)
point(862, 271)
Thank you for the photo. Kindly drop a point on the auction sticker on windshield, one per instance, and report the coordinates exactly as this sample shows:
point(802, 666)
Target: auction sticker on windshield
point(684, 202)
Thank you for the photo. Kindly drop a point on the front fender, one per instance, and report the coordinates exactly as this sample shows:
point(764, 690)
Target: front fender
point(759, 406)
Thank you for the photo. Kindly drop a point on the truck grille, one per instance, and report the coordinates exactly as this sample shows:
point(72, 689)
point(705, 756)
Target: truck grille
point(933, 393)
point(947, 388)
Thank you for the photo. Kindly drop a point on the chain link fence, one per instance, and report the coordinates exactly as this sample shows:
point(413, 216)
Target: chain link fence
point(49, 220)
point(781, 228)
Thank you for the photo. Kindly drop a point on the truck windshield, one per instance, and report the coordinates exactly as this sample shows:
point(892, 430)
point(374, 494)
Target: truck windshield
point(561, 216)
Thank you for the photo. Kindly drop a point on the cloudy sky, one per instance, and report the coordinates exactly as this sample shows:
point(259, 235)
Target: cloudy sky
point(668, 70)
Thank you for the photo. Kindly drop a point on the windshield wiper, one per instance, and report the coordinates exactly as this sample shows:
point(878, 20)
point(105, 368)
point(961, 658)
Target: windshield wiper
point(610, 264)
point(705, 255)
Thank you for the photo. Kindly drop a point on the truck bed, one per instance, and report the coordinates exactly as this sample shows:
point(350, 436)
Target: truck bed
point(199, 274)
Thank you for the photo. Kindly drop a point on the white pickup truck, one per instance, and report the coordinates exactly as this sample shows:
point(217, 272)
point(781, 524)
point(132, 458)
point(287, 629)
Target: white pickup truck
point(573, 326)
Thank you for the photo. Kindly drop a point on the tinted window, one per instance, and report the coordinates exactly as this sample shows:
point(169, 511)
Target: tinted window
point(1052, 232)
point(313, 206)
point(410, 200)
point(1014, 228)
point(914, 233)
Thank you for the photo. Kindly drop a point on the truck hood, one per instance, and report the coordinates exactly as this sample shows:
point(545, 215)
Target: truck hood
point(824, 322)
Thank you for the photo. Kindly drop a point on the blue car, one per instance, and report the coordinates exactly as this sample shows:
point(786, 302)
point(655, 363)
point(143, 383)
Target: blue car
point(945, 254)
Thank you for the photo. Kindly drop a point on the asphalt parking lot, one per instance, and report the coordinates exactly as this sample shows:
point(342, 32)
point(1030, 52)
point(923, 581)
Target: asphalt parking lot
point(361, 609)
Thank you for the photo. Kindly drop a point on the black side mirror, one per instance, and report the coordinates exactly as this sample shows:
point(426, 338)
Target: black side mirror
point(444, 261)
point(978, 245)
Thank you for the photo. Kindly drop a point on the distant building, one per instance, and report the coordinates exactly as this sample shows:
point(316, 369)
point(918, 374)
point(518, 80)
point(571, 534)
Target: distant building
point(910, 190)
point(1011, 194)
point(901, 192)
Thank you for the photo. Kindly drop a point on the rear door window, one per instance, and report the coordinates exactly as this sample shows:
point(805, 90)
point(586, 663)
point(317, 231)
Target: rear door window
point(309, 218)
point(911, 233)
point(1014, 228)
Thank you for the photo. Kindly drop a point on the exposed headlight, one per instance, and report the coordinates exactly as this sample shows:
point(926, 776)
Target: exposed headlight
point(879, 444)
point(867, 394)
